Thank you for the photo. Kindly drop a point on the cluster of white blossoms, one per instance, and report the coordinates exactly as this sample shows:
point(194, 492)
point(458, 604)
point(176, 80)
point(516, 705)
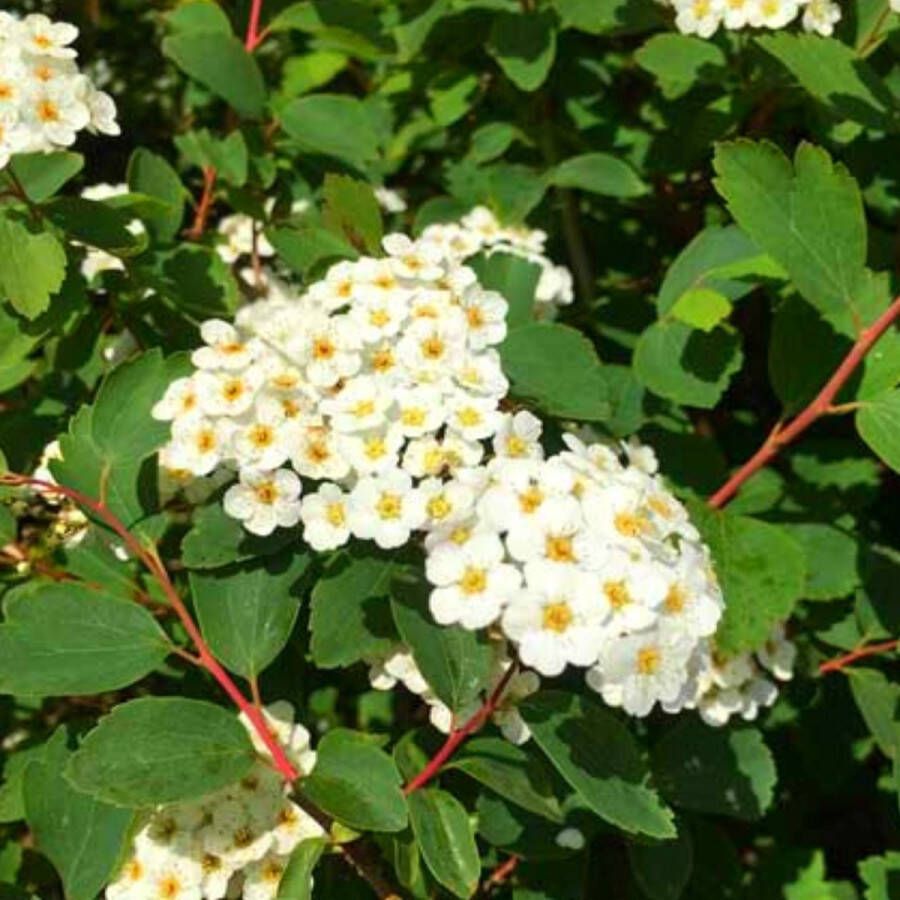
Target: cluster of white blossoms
point(378, 380)
point(704, 17)
point(45, 100)
point(234, 843)
point(479, 231)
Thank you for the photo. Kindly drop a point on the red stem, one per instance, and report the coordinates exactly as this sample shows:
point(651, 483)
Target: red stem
point(150, 559)
point(500, 875)
point(820, 406)
point(835, 665)
point(458, 735)
point(254, 38)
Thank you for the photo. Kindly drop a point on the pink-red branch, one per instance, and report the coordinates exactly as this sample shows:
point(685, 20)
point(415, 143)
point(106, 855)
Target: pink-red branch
point(458, 735)
point(254, 36)
point(151, 560)
point(840, 662)
point(820, 406)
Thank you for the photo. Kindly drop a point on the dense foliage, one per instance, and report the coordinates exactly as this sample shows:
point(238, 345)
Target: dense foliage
point(449, 448)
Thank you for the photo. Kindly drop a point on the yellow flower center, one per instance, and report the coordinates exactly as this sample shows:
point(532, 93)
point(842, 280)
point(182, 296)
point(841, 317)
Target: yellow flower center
point(335, 514)
point(475, 317)
point(469, 417)
point(266, 492)
point(559, 549)
point(531, 499)
point(630, 524)
point(617, 594)
point(205, 442)
point(323, 348)
point(676, 599)
point(383, 360)
point(233, 390)
point(363, 408)
point(375, 448)
point(515, 446)
point(473, 581)
point(48, 111)
point(413, 416)
point(262, 436)
point(439, 507)
point(460, 535)
point(379, 318)
point(557, 617)
point(389, 506)
point(648, 660)
point(432, 348)
point(169, 888)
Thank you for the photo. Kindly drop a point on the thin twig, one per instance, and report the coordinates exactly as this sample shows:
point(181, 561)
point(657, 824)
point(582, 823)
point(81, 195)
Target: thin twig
point(835, 665)
point(820, 406)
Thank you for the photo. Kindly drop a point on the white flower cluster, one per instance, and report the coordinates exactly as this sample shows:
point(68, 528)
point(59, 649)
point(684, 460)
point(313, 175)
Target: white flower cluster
point(740, 684)
point(45, 100)
point(398, 666)
point(479, 231)
point(381, 373)
point(235, 843)
point(703, 17)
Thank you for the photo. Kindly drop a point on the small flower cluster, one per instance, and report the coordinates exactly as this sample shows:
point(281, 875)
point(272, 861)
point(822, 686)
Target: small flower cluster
point(479, 231)
point(45, 100)
point(235, 843)
point(381, 373)
point(740, 685)
point(703, 17)
point(398, 666)
point(581, 559)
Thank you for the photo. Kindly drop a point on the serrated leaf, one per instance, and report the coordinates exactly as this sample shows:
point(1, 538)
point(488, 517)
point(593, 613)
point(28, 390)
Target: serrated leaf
point(446, 840)
point(303, 248)
point(296, 883)
point(351, 610)
point(352, 212)
point(556, 368)
point(43, 174)
point(333, 125)
point(614, 783)
point(662, 869)
point(247, 611)
point(32, 267)
point(150, 174)
point(524, 46)
point(701, 308)
point(878, 424)
point(96, 223)
point(455, 662)
point(878, 701)
point(681, 61)
point(807, 216)
point(762, 571)
point(219, 61)
point(161, 750)
point(60, 639)
point(514, 773)
point(598, 173)
point(719, 771)
point(832, 560)
point(357, 783)
point(83, 837)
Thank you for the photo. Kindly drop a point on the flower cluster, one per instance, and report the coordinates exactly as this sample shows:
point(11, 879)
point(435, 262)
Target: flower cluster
point(378, 380)
point(479, 231)
point(45, 100)
point(582, 559)
point(234, 843)
point(703, 17)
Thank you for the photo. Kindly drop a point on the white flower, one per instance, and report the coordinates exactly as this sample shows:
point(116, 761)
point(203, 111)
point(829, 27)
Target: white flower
point(262, 878)
point(506, 715)
point(473, 582)
point(198, 444)
point(773, 13)
point(239, 232)
point(420, 411)
point(361, 405)
point(485, 316)
point(700, 17)
point(519, 436)
point(263, 501)
point(224, 350)
point(570, 839)
point(554, 534)
point(228, 393)
point(324, 516)
point(39, 36)
point(331, 352)
point(54, 114)
point(446, 502)
point(317, 454)
point(386, 508)
point(412, 260)
point(557, 621)
point(389, 200)
point(736, 13)
point(373, 452)
point(821, 16)
point(633, 590)
point(778, 655)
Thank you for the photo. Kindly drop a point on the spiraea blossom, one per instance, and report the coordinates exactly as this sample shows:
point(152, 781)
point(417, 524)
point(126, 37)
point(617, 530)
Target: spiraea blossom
point(45, 100)
point(704, 17)
point(378, 378)
point(234, 843)
point(479, 231)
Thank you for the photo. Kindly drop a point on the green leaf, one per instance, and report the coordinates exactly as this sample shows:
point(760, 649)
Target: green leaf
point(357, 783)
point(451, 94)
point(662, 870)
point(878, 424)
point(333, 125)
point(151, 175)
point(59, 639)
point(296, 883)
point(216, 539)
point(524, 45)
point(228, 156)
point(556, 368)
point(515, 774)
point(455, 662)
point(96, 223)
point(303, 248)
point(604, 16)
point(599, 173)
point(108, 443)
point(515, 278)
point(681, 61)
point(352, 212)
point(878, 700)
point(832, 560)
point(690, 367)
point(881, 875)
point(220, 62)
point(247, 611)
point(715, 770)
point(835, 75)
point(32, 267)
point(198, 15)
point(412, 34)
point(445, 837)
point(614, 783)
point(83, 837)
point(161, 750)
point(492, 140)
point(808, 217)
point(701, 308)
point(351, 612)
point(43, 174)
point(762, 571)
